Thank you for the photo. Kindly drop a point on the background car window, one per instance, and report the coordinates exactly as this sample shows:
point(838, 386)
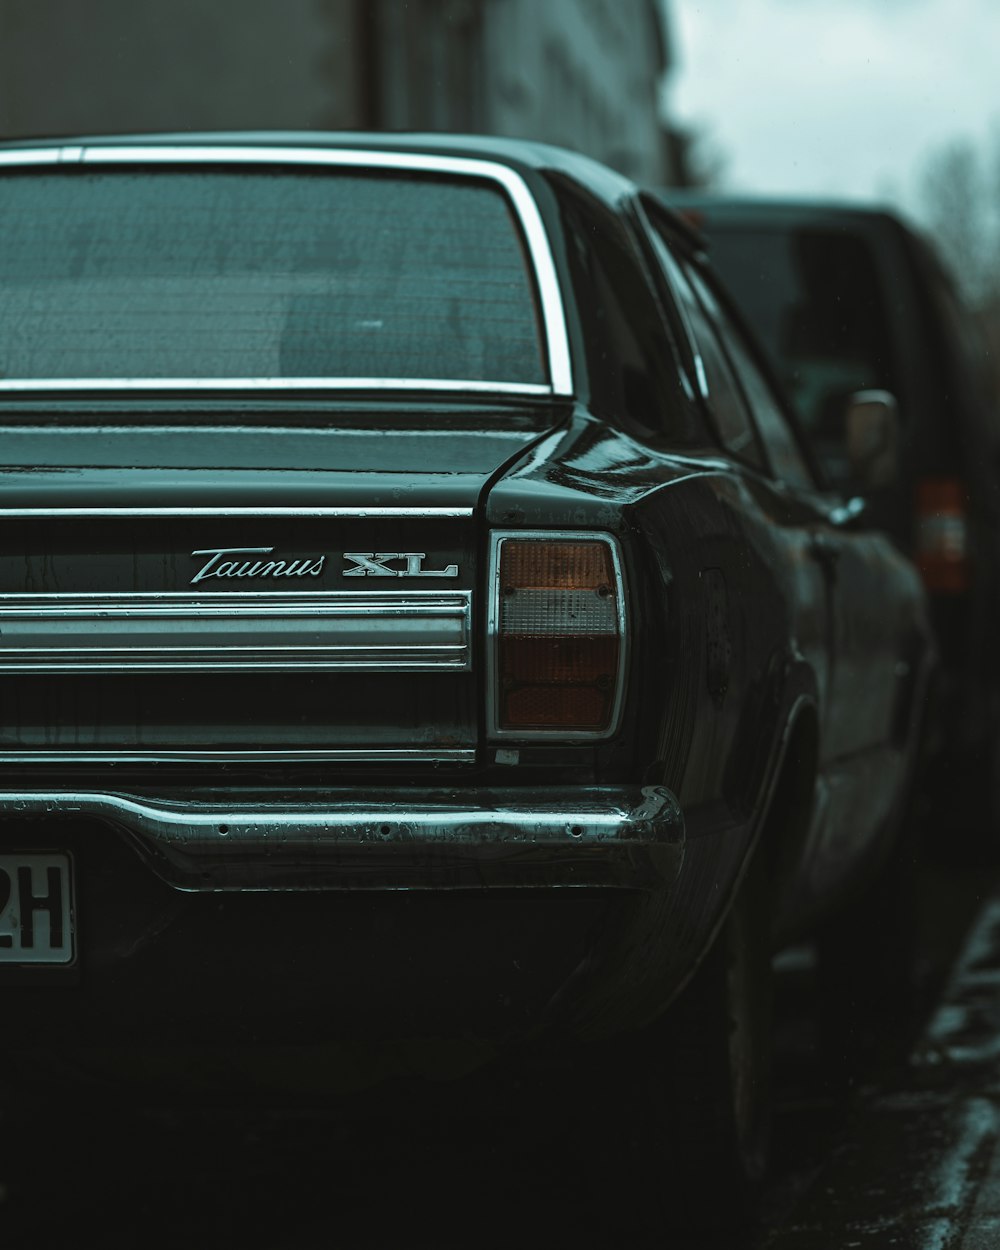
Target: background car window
point(814, 299)
point(783, 452)
point(165, 274)
point(634, 373)
point(717, 381)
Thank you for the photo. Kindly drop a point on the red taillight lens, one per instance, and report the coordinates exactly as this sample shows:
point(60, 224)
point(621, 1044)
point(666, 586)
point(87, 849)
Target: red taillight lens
point(942, 535)
point(559, 622)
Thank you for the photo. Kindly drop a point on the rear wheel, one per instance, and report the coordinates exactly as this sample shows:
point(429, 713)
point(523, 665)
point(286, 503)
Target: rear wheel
point(701, 1104)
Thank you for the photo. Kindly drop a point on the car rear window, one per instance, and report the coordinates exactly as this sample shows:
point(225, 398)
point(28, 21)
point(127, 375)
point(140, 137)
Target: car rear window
point(167, 273)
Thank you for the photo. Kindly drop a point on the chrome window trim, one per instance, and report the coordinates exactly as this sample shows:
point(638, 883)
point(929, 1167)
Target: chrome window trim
point(556, 347)
point(223, 511)
point(497, 538)
point(271, 384)
point(413, 631)
point(192, 755)
point(673, 276)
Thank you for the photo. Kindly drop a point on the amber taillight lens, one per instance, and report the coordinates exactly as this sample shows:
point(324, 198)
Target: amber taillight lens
point(559, 622)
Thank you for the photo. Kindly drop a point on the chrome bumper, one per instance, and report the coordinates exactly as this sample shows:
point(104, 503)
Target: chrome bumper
point(627, 838)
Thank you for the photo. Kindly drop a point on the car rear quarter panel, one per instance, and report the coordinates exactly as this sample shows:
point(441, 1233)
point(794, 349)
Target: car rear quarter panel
point(728, 629)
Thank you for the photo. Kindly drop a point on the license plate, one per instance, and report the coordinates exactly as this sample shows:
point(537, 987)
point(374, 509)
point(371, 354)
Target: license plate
point(36, 908)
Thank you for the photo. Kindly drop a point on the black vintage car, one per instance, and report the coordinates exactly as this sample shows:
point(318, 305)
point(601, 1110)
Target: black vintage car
point(419, 619)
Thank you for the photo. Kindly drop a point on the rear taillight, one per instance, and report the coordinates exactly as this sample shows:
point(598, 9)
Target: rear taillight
point(941, 538)
point(557, 634)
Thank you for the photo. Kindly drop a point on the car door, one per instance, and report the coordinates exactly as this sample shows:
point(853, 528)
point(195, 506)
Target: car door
point(786, 515)
point(868, 596)
point(861, 569)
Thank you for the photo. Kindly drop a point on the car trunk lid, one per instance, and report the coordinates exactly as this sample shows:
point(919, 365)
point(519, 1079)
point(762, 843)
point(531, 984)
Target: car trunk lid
point(207, 590)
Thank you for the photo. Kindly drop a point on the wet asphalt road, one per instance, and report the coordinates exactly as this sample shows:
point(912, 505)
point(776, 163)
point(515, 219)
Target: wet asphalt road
point(915, 1162)
point(887, 1134)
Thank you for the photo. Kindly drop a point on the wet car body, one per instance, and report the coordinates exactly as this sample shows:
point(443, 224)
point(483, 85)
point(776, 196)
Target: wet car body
point(846, 297)
point(287, 798)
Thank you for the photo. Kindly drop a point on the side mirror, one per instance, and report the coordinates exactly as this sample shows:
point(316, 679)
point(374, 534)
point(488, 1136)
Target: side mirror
point(871, 428)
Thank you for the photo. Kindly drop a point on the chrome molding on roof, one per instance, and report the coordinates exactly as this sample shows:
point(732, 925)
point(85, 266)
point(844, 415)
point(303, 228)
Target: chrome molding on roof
point(326, 631)
point(525, 208)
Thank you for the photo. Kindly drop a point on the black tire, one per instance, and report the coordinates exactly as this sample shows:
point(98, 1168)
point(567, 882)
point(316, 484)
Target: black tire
point(701, 1111)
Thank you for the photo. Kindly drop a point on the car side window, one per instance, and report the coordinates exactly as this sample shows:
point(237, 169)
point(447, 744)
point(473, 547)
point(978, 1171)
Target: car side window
point(782, 449)
point(715, 376)
point(633, 369)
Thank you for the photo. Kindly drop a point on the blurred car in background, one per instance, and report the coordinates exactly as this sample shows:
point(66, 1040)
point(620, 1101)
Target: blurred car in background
point(847, 299)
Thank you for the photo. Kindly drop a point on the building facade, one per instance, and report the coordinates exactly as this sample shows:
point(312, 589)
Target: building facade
point(583, 73)
point(586, 74)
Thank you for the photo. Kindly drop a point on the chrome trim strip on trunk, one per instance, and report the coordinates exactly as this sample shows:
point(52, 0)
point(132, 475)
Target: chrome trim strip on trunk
point(224, 511)
point(523, 203)
point(260, 755)
point(563, 837)
point(414, 631)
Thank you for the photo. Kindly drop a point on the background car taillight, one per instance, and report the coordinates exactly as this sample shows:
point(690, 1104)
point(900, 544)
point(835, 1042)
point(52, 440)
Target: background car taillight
point(942, 535)
point(557, 626)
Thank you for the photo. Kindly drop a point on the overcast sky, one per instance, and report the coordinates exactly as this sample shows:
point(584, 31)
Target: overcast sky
point(836, 97)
